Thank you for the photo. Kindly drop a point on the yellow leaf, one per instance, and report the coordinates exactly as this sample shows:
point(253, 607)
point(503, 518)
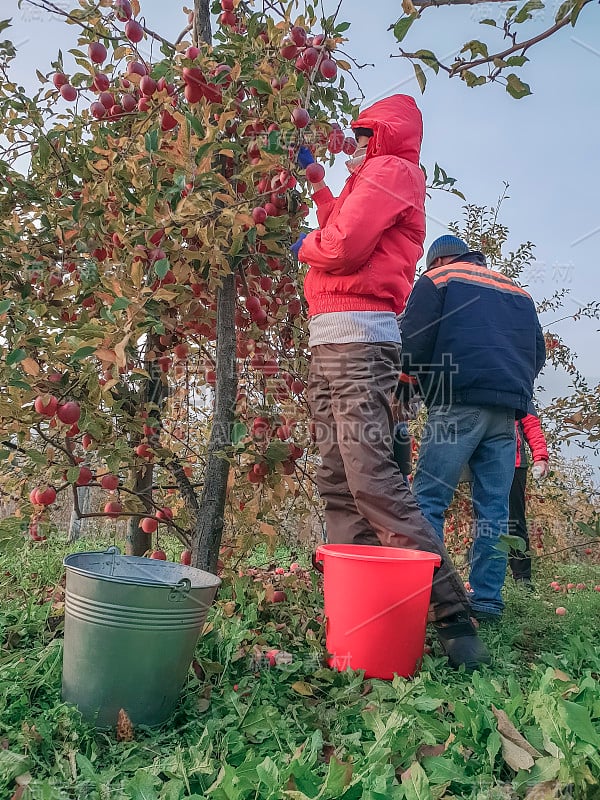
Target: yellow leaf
point(229, 608)
point(268, 530)
point(120, 351)
point(516, 757)
point(106, 355)
point(303, 688)
point(343, 64)
point(30, 366)
point(101, 165)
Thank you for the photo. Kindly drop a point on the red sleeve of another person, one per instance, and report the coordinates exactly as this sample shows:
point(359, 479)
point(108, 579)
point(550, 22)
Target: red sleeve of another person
point(535, 437)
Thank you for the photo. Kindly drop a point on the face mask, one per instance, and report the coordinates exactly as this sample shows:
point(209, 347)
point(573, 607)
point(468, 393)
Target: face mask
point(357, 159)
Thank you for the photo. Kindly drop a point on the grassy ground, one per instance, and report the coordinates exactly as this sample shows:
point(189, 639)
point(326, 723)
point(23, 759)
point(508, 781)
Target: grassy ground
point(254, 724)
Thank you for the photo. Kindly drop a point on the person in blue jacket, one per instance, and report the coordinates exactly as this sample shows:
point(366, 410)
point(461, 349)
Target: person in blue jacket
point(472, 347)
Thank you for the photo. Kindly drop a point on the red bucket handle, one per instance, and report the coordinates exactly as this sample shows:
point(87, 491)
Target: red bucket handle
point(317, 560)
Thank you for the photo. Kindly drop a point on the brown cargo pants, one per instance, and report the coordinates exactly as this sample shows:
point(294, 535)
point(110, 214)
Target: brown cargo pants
point(366, 499)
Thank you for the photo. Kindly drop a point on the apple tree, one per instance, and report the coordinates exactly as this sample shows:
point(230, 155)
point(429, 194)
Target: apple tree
point(147, 206)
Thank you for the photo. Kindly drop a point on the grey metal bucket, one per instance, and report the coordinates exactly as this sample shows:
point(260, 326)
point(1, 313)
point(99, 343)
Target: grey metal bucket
point(131, 627)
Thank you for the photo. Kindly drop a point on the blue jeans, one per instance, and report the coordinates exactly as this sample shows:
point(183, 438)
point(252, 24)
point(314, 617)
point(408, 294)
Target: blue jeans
point(483, 438)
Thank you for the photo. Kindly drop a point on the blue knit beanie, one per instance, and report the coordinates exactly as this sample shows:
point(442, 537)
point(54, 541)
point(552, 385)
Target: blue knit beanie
point(446, 246)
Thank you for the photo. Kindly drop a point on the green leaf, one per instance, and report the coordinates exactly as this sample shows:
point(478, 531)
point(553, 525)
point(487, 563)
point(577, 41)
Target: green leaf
point(525, 12)
point(264, 87)
point(343, 27)
point(420, 76)
point(510, 12)
point(402, 26)
point(476, 48)
point(120, 304)
point(151, 140)
point(415, 783)
point(141, 787)
point(161, 268)
point(516, 87)
point(471, 79)
point(15, 357)
point(516, 61)
point(429, 58)
point(238, 432)
point(83, 352)
point(12, 765)
point(488, 22)
point(273, 146)
point(72, 474)
point(4, 306)
point(578, 720)
point(564, 9)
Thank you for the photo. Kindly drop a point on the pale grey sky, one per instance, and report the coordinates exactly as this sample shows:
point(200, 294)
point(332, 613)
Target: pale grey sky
point(545, 146)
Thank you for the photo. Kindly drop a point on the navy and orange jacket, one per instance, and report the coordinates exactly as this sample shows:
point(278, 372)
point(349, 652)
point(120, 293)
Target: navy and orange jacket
point(471, 336)
point(529, 430)
point(365, 253)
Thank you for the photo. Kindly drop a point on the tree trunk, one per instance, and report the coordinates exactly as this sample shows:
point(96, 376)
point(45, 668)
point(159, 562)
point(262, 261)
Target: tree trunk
point(154, 391)
point(209, 523)
point(208, 527)
point(202, 31)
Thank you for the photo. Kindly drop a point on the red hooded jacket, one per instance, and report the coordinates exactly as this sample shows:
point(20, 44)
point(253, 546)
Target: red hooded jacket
point(364, 255)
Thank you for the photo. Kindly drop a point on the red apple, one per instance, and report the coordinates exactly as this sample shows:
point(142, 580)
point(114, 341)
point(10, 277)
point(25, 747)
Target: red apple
point(109, 482)
point(328, 68)
point(113, 508)
point(68, 92)
point(101, 82)
point(46, 405)
point(136, 68)
point(259, 215)
point(350, 145)
point(97, 52)
point(288, 51)
point(311, 56)
point(123, 10)
point(298, 36)
point(107, 99)
point(148, 86)
point(227, 5)
point(84, 477)
point(164, 513)
point(159, 555)
point(134, 31)
point(59, 79)
point(228, 18)
point(186, 557)
point(335, 141)
point(129, 103)
point(192, 53)
point(69, 412)
point(46, 496)
point(315, 173)
point(279, 596)
point(561, 611)
point(98, 111)
point(143, 451)
point(149, 525)
point(167, 121)
point(300, 117)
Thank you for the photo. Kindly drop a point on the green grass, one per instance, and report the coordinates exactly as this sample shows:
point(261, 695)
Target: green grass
point(247, 730)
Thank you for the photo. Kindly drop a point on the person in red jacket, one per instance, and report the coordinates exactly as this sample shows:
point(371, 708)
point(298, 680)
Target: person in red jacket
point(529, 431)
point(362, 264)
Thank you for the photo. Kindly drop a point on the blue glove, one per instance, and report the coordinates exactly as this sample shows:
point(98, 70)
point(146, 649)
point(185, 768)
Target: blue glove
point(304, 157)
point(295, 248)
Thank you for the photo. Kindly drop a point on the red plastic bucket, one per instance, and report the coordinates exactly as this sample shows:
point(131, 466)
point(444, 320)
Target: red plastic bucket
point(376, 603)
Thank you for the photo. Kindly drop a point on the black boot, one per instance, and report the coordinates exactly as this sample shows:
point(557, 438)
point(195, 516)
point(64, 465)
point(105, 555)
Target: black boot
point(459, 639)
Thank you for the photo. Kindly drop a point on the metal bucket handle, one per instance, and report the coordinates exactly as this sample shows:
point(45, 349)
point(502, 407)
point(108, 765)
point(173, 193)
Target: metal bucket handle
point(180, 591)
point(113, 551)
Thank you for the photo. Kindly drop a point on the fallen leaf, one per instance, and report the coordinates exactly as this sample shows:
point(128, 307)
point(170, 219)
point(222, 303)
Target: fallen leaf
point(548, 790)
point(229, 608)
point(508, 731)
point(303, 688)
point(562, 676)
point(516, 757)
